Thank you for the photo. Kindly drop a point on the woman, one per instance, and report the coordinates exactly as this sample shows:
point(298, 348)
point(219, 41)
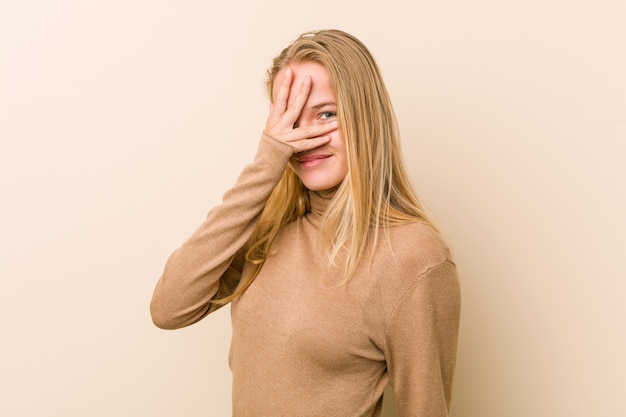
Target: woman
point(339, 282)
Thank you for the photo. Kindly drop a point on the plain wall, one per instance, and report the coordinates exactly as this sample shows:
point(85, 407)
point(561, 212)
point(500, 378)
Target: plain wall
point(123, 122)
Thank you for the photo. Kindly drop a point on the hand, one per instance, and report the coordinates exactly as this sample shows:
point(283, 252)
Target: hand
point(282, 117)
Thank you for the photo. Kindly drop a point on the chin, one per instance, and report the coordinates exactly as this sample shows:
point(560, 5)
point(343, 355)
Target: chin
point(321, 185)
point(320, 181)
point(318, 188)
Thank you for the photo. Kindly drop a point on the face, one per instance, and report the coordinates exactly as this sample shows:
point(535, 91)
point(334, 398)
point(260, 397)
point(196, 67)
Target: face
point(325, 167)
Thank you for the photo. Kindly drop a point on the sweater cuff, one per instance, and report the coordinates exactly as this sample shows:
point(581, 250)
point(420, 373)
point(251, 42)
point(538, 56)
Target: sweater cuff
point(278, 145)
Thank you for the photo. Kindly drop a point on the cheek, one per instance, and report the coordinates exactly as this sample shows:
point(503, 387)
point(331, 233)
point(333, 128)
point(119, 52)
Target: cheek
point(337, 142)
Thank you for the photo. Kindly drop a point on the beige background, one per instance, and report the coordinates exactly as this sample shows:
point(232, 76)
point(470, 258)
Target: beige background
point(123, 122)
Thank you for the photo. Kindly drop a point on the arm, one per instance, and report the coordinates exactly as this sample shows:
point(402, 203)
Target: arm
point(216, 250)
point(421, 342)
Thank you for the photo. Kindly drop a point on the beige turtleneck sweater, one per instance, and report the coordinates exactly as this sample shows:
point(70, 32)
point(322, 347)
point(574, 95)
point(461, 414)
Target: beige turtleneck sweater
point(303, 344)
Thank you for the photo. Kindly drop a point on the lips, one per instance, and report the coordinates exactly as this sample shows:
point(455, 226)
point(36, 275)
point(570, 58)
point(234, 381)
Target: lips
point(310, 161)
point(309, 158)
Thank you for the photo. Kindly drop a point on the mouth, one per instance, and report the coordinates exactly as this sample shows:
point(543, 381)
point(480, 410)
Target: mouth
point(312, 160)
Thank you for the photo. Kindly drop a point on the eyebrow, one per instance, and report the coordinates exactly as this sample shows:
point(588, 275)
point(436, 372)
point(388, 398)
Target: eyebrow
point(324, 104)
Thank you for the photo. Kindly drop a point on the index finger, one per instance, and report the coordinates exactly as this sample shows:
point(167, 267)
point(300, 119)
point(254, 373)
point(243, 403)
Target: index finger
point(293, 112)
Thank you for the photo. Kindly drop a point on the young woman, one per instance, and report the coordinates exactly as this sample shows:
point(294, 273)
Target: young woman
point(339, 282)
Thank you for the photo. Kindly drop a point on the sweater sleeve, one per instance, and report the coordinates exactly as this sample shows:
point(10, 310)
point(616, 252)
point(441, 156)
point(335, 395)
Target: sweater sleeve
point(216, 250)
point(421, 343)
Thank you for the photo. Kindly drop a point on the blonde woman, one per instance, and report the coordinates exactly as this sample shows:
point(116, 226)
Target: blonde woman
point(339, 283)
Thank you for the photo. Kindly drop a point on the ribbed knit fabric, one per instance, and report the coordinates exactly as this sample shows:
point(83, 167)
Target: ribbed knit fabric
point(303, 343)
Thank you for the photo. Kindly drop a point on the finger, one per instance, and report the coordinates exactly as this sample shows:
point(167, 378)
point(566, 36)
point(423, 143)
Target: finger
point(308, 144)
point(308, 132)
point(293, 112)
point(279, 104)
point(282, 96)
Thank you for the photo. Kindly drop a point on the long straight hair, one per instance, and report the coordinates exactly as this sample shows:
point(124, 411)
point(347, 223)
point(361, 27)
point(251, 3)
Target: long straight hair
point(376, 193)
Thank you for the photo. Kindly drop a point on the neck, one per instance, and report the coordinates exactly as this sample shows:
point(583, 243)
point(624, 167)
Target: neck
point(319, 200)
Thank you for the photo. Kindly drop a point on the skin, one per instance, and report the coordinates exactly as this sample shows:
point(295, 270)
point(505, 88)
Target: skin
point(303, 115)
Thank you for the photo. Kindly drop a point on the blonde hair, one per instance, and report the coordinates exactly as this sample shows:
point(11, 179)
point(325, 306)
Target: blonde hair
point(376, 193)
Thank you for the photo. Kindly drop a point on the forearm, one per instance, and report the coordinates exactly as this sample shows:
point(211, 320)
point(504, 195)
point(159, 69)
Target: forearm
point(215, 250)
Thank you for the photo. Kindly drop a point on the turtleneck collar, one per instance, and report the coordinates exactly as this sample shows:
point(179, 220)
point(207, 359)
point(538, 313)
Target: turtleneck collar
point(319, 200)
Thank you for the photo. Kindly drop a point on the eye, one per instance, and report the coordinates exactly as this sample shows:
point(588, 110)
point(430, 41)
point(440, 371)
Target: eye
point(327, 115)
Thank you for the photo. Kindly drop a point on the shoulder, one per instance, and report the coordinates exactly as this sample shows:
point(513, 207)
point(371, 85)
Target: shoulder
point(414, 247)
point(407, 256)
point(413, 271)
point(425, 275)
